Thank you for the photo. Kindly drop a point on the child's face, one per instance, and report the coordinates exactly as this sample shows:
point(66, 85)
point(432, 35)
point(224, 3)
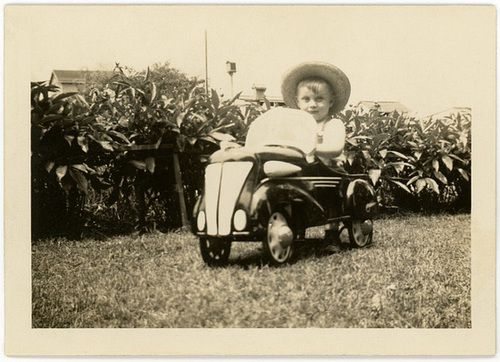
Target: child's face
point(315, 103)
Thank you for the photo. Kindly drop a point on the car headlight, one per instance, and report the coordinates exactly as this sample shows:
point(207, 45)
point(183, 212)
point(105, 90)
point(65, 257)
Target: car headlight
point(240, 220)
point(201, 221)
point(280, 168)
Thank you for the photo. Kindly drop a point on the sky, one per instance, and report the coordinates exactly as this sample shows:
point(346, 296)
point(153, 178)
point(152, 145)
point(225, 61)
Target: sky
point(428, 58)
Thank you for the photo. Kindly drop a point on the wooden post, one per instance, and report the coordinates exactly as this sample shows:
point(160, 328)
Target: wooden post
point(179, 188)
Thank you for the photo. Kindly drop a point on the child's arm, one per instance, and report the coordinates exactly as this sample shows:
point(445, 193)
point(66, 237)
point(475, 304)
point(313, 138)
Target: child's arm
point(333, 139)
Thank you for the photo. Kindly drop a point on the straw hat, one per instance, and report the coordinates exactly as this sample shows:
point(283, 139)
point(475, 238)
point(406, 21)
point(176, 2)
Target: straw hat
point(333, 75)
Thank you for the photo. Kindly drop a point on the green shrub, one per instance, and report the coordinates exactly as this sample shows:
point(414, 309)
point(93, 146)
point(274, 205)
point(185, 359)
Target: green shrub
point(420, 164)
point(109, 159)
point(105, 160)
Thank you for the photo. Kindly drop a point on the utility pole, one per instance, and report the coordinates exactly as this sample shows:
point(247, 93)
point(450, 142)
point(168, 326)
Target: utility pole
point(206, 62)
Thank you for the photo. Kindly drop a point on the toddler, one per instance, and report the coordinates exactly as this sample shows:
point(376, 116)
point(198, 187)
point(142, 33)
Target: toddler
point(321, 90)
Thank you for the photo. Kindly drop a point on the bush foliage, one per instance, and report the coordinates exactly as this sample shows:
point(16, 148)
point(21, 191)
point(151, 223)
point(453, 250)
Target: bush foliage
point(106, 158)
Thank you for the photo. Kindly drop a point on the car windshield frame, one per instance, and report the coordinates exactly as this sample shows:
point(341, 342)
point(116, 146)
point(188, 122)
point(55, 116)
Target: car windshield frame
point(284, 127)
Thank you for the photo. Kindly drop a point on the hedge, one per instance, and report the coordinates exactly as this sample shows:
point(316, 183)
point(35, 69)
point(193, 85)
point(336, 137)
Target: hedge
point(103, 162)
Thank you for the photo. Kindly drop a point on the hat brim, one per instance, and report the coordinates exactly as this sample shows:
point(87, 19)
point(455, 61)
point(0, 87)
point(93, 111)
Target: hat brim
point(333, 75)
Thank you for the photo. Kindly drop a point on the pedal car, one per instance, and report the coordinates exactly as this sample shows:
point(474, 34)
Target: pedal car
point(274, 188)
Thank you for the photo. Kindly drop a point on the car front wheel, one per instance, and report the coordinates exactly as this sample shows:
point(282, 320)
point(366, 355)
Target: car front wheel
point(215, 252)
point(278, 239)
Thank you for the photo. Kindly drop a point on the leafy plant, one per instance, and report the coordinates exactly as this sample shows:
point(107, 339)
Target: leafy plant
point(120, 144)
point(419, 156)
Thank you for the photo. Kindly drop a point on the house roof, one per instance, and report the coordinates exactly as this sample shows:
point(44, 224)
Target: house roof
point(68, 76)
point(245, 97)
point(386, 106)
point(73, 76)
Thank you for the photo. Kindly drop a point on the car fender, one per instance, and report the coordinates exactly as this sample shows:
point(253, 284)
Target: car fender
point(272, 195)
point(360, 200)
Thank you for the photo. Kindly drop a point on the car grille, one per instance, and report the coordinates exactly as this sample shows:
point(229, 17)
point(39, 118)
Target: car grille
point(223, 183)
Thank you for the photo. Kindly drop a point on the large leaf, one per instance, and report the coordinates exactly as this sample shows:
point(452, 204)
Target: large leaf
point(420, 185)
point(362, 137)
point(399, 154)
point(222, 127)
point(150, 164)
point(352, 141)
point(61, 171)
point(435, 164)
point(180, 118)
point(153, 93)
point(85, 121)
point(374, 175)
point(383, 153)
point(209, 139)
point(83, 143)
point(201, 117)
point(433, 184)
point(189, 104)
point(448, 162)
point(80, 179)
point(464, 174)
point(141, 165)
point(222, 136)
point(456, 158)
point(49, 165)
point(80, 167)
point(351, 156)
point(69, 139)
point(379, 139)
point(398, 166)
point(215, 100)
point(234, 98)
point(441, 177)
point(403, 186)
point(119, 135)
point(106, 145)
point(413, 179)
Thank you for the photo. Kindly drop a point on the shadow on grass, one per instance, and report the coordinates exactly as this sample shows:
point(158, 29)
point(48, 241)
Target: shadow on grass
point(251, 255)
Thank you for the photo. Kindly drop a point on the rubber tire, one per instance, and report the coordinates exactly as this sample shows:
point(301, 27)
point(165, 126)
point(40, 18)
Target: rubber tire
point(353, 227)
point(268, 253)
point(215, 252)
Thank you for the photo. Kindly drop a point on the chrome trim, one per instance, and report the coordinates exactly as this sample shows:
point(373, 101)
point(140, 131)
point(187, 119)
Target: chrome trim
point(241, 233)
point(212, 190)
point(223, 184)
point(233, 178)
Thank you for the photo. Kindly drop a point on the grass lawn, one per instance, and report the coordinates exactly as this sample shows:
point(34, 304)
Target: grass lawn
point(417, 274)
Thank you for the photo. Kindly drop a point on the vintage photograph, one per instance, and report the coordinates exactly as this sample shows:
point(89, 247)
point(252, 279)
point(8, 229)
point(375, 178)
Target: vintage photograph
point(270, 168)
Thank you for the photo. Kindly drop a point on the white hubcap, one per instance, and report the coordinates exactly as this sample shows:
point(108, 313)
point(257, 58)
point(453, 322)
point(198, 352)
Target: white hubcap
point(279, 237)
point(361, 231)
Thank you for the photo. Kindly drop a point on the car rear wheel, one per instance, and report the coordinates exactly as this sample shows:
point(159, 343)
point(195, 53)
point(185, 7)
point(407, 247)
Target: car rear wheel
point(278, 239)
point(360, 232)
point(215, 252)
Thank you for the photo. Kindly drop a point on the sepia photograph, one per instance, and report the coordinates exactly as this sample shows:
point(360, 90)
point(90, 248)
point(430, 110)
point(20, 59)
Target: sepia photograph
point(250, 180)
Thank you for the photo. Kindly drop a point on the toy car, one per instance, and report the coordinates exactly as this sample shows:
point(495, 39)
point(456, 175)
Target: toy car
point(274, 188)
